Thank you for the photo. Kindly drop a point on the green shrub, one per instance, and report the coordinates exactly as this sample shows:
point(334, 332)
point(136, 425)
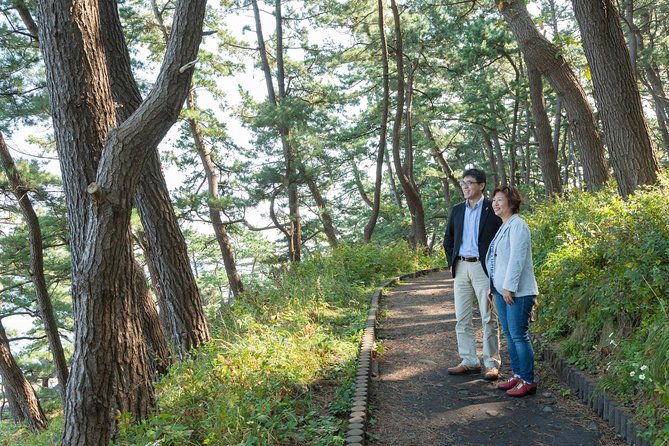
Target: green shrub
point(603, 266)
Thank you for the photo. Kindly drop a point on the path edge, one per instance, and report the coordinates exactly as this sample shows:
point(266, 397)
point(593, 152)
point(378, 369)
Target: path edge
point(618, 417)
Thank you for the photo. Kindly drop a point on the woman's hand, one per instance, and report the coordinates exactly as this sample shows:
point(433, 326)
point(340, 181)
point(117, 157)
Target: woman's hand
point(507, 296)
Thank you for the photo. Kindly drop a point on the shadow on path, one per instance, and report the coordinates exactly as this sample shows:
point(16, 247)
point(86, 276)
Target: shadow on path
point(415, 402)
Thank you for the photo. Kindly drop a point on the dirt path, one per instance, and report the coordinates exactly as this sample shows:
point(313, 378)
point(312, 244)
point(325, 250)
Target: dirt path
point(414, 401)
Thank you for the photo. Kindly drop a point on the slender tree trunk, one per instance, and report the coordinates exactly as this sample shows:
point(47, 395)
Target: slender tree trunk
point(23, 401)
point(290, 157)
point(414, 201)
point(323, 211)
point(179, 298)
point(391, 181)
point(550, 171)
point(501, 166)
point(383, 129)
point(220, 229)
point(632, 41)
point(20, 191)
point(490, 150)
point(545, 57)
point(359, 185)
point(441, 160)
point(617, 96)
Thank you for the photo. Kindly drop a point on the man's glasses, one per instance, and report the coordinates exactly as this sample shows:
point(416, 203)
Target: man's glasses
point(469, 183)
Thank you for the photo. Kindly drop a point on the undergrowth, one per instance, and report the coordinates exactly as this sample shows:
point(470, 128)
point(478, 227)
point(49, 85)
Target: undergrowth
point(280, 370)
point(603, 267)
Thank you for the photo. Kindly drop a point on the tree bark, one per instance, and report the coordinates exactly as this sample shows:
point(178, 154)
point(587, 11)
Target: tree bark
point(179, 297)
point(617, 96)
point(491, 155)
point(20, 191)
point(545, 57)
point(101, 164)
point(160, 354)
point(22, 397)
point(550, 171)
point(383, 129)
point(414, 201)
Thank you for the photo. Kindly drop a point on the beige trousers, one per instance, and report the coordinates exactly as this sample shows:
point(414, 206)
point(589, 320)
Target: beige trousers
point(470, 283)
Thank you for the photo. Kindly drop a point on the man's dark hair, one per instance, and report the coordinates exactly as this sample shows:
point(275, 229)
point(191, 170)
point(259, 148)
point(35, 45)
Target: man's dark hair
point(476, 173)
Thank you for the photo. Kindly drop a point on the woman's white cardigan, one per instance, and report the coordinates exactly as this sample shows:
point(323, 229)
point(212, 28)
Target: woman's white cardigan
point(511, 252)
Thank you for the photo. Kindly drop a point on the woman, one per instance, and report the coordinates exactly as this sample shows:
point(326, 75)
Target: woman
point(514, 288)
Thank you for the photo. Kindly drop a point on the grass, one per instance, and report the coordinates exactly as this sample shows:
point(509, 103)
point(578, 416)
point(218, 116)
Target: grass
point(280, 370)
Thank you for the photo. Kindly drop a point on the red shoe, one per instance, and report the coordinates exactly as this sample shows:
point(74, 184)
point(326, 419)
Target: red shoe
point(509, 384)
point(522, 388)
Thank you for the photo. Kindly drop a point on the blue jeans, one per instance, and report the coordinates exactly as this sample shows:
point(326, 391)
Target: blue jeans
point(515, 320)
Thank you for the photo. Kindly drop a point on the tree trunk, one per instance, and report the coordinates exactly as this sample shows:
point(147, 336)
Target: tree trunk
point(359, 185)
point(383, 129)
point(290, 157)
point(414, 201)
point(617, 96)
point(160, 355)
point(491, 155)
point(20, 191)
point(550, 171)
point(443, 163)
point(391, 181)
point(23, 401)
point(501, 166)
point(220, 229)
point(179, 297)
point(545, 57)
point(101, 164)
point(323, 211)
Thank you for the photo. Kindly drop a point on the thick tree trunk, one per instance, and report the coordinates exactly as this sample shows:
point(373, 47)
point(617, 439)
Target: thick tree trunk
point(179, 296)
point(20, 191)
point(545, 57)
point(414, 201)
point(101, 164)
point(23, 401)
point(550, 171)
point(617, 96)
point(383, 128)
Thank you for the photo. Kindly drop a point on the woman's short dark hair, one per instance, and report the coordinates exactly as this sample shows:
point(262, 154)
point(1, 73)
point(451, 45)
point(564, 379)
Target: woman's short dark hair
point(512, 195)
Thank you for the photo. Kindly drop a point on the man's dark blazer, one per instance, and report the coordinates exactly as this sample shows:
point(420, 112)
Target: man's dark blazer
point(488, 226)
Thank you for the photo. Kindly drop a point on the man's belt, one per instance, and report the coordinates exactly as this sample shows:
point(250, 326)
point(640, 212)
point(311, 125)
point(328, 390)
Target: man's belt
point(468, 259)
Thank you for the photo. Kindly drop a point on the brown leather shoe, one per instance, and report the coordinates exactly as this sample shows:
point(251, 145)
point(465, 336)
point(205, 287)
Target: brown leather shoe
point(462, 369)
point(522, 389)
point(491, 374)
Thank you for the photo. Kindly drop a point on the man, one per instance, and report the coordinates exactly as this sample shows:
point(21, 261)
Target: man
point(471, 227)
